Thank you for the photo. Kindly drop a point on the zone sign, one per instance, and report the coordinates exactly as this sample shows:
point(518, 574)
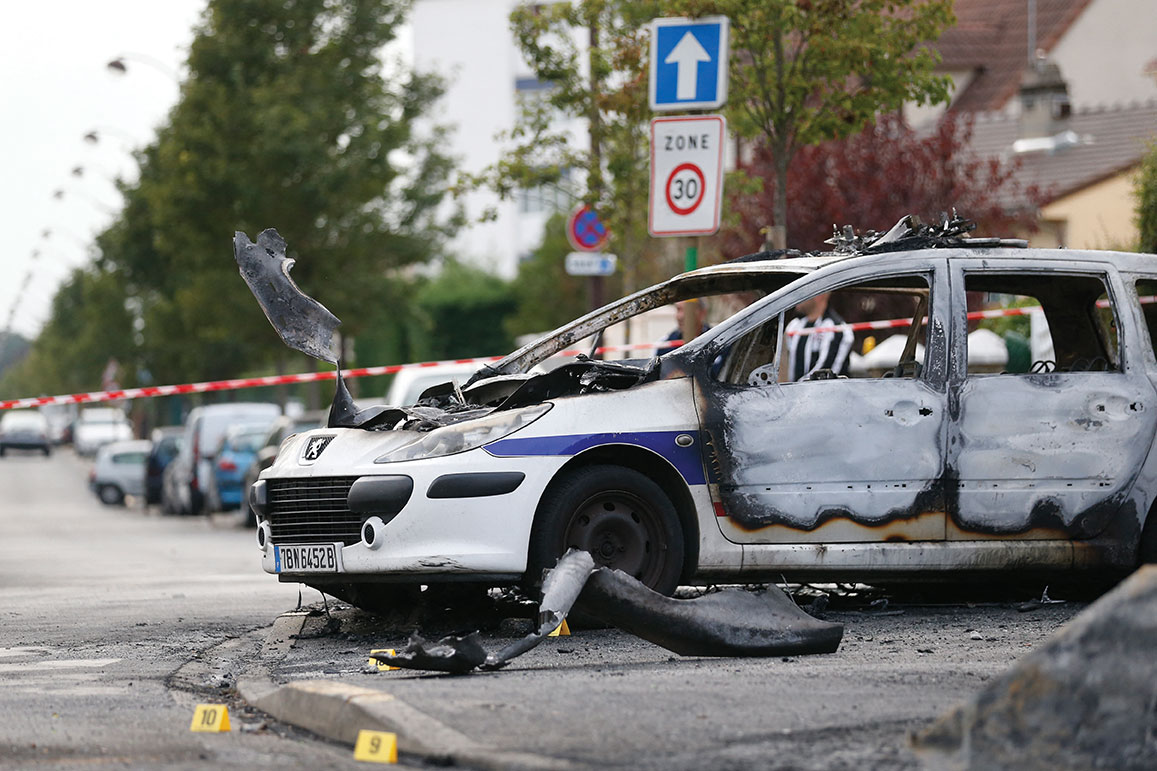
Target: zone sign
point(686, 175)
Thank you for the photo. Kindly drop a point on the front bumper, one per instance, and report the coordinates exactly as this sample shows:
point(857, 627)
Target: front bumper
point(457, 516)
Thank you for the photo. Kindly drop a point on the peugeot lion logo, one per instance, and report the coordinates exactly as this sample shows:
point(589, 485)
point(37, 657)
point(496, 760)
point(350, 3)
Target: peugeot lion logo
point(314, 449)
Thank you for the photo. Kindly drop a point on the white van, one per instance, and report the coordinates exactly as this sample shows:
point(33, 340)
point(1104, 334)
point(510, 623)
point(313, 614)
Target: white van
point(187, 478)
point(98, 426)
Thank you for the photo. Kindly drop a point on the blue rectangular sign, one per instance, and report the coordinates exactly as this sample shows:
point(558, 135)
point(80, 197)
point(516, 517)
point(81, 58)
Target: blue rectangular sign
point(689, 63)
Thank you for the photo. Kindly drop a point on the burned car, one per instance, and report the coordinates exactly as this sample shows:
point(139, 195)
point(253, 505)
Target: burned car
point(707, 464)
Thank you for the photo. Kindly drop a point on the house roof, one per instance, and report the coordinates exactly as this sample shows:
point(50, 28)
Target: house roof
point(990, 39)
point(1109, 140)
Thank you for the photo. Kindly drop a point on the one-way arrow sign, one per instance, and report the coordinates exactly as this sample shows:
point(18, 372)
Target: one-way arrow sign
point(689, 63)
point(686, 56)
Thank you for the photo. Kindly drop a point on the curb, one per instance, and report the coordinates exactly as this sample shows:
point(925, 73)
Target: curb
point(338, 711)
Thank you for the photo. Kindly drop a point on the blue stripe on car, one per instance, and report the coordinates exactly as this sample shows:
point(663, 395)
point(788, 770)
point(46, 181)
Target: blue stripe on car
point(686, 460)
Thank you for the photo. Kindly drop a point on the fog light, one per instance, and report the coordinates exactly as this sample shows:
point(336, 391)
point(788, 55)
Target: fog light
point(372, 532)
point(263, 535)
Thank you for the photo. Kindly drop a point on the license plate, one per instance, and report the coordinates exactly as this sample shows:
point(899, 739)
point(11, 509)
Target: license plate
point(307, 558)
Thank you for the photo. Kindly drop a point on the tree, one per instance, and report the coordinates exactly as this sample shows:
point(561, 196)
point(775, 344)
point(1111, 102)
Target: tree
point(805, 71)
point(88, 325)
point(592, 53)
point(1147, 201)
point(466, 310)
point(286, 120)
point(545, 296)
point(873, 178)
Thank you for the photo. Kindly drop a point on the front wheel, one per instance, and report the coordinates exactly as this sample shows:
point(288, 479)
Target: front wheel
point(620, 516)
point(110, 495)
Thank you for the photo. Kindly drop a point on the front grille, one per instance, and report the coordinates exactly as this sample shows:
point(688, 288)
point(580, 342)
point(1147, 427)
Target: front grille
point(312, 511)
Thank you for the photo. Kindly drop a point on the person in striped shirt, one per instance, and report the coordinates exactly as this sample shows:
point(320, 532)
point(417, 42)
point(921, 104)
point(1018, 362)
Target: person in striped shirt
point(828, 349)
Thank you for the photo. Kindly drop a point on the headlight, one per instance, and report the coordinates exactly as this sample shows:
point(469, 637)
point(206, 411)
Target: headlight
point(466, 435)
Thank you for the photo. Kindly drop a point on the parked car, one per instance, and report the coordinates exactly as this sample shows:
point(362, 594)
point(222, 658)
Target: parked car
point(280, 430)
point(97, 426)
point(408, 384)
point(706, 464)
point(238, 450)
point(24, 430)
point(119, 470)
point(166, 443)
point(189, 476)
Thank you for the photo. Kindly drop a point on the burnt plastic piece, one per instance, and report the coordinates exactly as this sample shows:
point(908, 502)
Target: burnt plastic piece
point(303, 323)
point(453, 654)
point(560, 589)
point(731, 622)
point(726, 623)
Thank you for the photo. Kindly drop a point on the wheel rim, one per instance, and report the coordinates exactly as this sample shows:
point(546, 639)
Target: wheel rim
point(621, 531)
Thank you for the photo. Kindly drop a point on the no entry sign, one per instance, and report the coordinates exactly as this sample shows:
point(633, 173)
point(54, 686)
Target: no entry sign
point(686, 175)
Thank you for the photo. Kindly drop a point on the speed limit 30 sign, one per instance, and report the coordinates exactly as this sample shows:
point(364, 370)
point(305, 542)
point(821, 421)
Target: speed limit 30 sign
point(686, 175)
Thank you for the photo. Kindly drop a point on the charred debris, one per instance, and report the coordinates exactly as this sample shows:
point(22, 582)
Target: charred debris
point(732, 622)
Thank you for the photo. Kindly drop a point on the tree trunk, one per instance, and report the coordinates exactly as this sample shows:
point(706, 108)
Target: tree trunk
point(778, 231)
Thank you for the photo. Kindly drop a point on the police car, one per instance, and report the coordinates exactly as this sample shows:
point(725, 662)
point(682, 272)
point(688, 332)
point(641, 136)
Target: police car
point(709, 464)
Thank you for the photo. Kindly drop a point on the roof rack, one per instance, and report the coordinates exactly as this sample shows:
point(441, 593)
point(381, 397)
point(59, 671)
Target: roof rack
point(911, 233)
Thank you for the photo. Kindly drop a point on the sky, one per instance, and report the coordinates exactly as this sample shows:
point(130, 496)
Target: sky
point(55, 87)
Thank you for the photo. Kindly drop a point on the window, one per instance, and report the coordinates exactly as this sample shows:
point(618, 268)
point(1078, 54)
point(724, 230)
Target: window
point(1147, 295)
point(1047, 323)
point(868, 330)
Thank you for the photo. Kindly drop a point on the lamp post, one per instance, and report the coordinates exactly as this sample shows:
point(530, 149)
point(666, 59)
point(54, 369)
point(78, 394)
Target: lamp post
point(119, 66)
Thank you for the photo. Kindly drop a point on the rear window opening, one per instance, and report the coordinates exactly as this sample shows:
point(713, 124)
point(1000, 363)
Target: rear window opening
point(1047, 322)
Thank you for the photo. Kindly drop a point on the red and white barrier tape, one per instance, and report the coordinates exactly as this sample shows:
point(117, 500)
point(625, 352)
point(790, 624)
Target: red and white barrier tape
point(254, 382)
point(308, 377)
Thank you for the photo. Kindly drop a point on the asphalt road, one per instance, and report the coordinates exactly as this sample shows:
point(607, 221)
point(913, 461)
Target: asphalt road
point(115, 623)
point(100, 606)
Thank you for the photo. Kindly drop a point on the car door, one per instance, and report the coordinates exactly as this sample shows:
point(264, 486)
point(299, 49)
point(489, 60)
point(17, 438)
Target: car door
point(1050, 453)
point(834, 458)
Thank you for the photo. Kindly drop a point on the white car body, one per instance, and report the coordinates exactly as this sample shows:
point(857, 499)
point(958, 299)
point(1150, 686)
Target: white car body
point(98, 426)
point(119, 470)
point(491, 535)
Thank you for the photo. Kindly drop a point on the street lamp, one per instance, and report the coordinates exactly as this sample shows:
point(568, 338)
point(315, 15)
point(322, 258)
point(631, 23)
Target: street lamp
point(118, 65)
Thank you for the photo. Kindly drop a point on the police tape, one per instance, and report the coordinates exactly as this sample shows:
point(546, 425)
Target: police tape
point(146, 392)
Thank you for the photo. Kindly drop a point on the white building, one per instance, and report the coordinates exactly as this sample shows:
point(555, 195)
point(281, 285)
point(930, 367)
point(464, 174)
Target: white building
point(470, 43)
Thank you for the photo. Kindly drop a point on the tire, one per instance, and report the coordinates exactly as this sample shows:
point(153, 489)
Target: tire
point(620, 516)
point(1147, 549)
point(110, 495)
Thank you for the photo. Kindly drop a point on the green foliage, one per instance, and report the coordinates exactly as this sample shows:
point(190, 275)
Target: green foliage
point(1147, 201)
point(287, 121)
point(545, 296)
point(805, 71)
point(466, 310)
point(13, 349)
point(89, 325)
point(603, 81)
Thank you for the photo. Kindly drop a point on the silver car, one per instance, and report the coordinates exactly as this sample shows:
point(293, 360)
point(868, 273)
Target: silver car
point(119, 470)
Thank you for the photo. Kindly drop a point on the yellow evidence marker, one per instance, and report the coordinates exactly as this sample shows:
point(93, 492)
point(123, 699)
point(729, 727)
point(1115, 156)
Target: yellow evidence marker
point(210, 718)
point(562, 630)
point(381, 665)
point(376, 747)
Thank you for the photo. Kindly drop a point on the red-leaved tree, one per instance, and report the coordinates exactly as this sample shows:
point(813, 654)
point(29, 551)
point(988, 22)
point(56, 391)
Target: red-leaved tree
point(873, 178)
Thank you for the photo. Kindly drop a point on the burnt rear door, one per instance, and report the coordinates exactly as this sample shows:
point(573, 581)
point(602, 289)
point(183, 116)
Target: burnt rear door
point(836, 457)
point(1046, 447)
